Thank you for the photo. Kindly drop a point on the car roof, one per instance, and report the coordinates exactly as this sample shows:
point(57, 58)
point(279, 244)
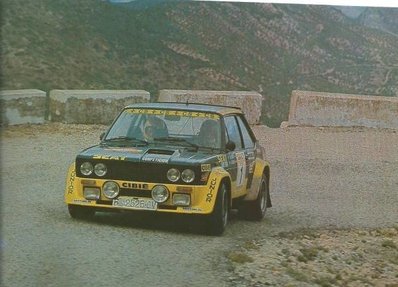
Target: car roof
point(197, 107)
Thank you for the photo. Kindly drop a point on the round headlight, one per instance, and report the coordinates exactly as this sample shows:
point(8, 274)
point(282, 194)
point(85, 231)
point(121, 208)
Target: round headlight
point(100, 169)
point(86, 168)
point(110, 189)
point(188, 175)
point(173, 174)
point(160, 193)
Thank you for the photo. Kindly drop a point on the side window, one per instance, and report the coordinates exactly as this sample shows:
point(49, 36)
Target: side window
point(247, 139)
point(233, 131)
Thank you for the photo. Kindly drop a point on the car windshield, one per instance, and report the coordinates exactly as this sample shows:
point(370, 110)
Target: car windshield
point(167, 127)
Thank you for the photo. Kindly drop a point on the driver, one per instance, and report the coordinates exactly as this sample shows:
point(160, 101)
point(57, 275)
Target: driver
point(209, 135)
point(154, 127)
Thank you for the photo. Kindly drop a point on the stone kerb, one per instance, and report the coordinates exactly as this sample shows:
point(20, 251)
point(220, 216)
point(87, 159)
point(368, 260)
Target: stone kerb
point(342, 110)
point(92, 106)
point(250, 102)
point(22, 107)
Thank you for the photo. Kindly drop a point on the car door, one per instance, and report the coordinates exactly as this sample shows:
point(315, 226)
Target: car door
point(249, 149)
point(236, 158)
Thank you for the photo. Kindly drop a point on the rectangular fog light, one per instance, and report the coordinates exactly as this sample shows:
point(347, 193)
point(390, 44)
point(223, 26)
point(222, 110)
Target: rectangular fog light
point(91, 193)
point(181, 199)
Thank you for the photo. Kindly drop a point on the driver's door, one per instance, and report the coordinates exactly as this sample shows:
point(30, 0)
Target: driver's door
point(237, 169)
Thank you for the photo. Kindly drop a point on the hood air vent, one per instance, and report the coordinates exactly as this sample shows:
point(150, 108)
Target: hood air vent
point(160, 151)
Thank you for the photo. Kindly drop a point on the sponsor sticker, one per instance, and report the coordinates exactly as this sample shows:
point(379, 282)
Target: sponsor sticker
point(192, 209)
point(212, 187)
point(109, 157)
point(156, 159)
point(205, 167)
point(71, 181)
point(134, 185)
point(222, 158)
point(129, 150)
point(174, 113)
point(82, 200)
point(241, 165)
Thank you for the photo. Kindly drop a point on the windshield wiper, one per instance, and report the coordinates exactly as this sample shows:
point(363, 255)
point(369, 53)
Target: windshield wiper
point(125, 138)
point(174, 139)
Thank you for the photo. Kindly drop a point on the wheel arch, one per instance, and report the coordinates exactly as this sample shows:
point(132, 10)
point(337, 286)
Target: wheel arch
point(227, 181)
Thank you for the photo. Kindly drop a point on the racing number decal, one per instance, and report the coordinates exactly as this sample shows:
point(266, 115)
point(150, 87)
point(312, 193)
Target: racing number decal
point(241, 168)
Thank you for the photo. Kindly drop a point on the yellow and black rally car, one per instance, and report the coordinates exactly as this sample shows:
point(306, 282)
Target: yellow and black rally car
point(173, 157)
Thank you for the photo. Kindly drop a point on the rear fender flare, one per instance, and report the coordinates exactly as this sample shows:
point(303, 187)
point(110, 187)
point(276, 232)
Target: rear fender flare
point(261, 168)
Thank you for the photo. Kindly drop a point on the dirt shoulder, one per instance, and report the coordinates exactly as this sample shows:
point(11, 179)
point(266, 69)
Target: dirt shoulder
point(341, 179)
point(354, 257)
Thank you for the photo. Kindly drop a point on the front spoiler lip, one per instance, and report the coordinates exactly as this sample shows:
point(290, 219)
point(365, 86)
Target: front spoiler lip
point(110, 208)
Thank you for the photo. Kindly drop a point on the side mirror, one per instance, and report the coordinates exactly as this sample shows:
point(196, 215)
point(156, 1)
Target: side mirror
point(102, 136)
point(230, 146)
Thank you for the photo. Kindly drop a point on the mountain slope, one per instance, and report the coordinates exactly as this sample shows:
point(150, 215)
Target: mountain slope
point(49, 44)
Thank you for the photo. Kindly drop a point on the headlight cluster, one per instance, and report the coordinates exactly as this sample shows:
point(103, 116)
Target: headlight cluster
point(173, 174)
point(86, 168)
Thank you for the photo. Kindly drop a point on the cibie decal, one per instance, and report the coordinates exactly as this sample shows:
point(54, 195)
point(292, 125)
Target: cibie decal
point(71, 181)
point(108, 157)
point(134, 185)
point(241, 167)
point(212, 187)
point(205, 167)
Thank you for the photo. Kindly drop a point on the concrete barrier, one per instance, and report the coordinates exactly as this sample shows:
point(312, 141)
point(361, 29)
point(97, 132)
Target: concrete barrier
point(92, 106)
point(250, 102)
point(328, 109)
point(22, 107)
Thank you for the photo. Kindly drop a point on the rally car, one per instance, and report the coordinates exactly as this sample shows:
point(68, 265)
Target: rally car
point(173, 157)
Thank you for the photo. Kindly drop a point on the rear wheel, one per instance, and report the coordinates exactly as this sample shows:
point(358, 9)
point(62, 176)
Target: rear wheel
point(255, 210)
point(81, 212)
point(217, 221)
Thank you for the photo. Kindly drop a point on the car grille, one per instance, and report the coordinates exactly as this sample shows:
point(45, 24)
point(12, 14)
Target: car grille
point(140, 172)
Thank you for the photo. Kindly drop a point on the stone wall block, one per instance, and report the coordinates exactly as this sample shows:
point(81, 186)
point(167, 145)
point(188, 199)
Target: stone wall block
point(22, 106)
point(342, 110)
point(92, 106)
point(249, 102)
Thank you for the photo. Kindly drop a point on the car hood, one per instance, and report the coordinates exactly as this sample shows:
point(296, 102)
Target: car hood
point(153, 154)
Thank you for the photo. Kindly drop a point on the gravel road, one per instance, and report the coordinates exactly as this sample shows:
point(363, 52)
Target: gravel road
point(321, 179)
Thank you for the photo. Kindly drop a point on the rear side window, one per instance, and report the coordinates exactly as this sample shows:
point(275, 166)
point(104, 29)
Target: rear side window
point(233, 131)
point(247, 138)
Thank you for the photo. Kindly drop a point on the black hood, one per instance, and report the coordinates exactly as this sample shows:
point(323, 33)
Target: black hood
point(155, 154)
point(146, 164)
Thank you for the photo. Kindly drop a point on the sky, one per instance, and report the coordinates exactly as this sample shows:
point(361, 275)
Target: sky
point(364, 3)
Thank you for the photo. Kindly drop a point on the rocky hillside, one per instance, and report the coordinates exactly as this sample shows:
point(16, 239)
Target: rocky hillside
point(382, 19)
point(273, 49)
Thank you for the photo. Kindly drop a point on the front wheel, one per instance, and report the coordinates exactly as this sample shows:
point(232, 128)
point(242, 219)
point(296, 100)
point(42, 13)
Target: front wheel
point(81, 212)
point(218, 219)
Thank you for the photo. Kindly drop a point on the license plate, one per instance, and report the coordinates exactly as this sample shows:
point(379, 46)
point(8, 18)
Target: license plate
point(135, 203)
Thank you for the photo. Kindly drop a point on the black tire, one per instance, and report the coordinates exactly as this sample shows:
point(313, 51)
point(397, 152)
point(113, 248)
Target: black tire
point(256, 209)
point(81, 212)
point(218, 219)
